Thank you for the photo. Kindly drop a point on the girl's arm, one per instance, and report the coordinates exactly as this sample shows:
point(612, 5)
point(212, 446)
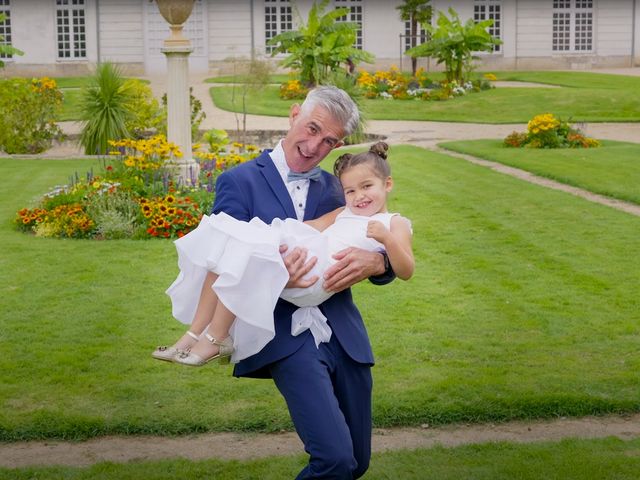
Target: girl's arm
point(323, 222)
point(397, 244)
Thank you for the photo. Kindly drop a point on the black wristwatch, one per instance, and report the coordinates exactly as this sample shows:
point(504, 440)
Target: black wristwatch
point(388, 274)
point(387, 263)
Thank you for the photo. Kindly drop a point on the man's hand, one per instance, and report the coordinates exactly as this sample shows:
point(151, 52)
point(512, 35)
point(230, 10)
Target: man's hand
point(353, 266)
point(298, 266)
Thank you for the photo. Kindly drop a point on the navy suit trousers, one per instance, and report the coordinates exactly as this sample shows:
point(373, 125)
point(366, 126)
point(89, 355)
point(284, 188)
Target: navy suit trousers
point(329, 399)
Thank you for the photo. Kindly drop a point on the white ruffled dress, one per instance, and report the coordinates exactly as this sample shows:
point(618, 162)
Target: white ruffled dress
point(252, 275)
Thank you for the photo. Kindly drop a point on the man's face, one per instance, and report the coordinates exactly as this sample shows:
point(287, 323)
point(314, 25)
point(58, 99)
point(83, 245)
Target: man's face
point(310, 138)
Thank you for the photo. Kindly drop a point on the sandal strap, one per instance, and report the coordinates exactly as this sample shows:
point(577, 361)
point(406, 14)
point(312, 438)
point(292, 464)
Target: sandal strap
point(193, 335)
point(226, 345)
point(211, 339)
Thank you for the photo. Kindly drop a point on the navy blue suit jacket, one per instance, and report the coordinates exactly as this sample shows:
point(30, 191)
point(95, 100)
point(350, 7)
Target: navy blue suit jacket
point(255, 189)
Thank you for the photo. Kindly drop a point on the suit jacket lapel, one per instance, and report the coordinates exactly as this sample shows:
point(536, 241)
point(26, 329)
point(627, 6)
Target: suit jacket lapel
point(274, 180)
point(313, 198)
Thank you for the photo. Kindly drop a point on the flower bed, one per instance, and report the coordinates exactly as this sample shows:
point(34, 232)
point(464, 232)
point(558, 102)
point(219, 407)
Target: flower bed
point(547, 131)
point(394, 84)
point(135, 195)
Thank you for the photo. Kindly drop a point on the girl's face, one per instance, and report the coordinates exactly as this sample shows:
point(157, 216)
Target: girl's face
point(364, 191)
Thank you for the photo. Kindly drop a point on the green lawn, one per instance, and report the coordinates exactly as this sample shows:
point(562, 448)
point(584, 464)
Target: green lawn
point(584, 97)
point(612, 170)
point(73, 82)
point(592, 80)
point(524, 304)
point(277, 78)
point(610, 459)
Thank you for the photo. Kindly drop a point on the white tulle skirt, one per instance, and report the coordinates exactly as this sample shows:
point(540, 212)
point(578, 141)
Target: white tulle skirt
point(251, 273)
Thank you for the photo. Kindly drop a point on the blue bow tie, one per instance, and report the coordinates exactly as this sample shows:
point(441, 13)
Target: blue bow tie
point(314, 174)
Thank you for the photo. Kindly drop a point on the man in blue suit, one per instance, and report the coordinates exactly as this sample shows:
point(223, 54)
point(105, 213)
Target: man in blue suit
point(327, 388)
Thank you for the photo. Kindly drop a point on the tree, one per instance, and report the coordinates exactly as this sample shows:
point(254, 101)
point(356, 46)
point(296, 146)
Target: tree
point(257, 77)
point(4, 48)
point(321, 45)
point(453, 43)
point(415, 12)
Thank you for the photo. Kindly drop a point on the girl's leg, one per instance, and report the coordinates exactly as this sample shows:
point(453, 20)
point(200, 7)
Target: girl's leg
point(204, 313)
point(218, 328)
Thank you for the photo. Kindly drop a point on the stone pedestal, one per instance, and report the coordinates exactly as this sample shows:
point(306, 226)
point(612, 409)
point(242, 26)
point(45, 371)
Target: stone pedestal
point(177, 49)
point(179, 109)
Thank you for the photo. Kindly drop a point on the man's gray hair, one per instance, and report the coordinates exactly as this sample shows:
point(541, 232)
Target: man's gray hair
point(337, 102)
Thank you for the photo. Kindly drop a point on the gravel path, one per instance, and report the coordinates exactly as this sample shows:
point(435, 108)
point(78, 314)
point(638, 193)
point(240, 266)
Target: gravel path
point(235, 446)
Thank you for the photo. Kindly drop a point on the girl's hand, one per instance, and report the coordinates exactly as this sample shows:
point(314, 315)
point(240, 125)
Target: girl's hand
point(377, 231)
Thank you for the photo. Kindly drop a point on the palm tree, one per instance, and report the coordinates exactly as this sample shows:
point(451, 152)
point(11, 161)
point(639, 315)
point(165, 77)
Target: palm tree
point(416, 12)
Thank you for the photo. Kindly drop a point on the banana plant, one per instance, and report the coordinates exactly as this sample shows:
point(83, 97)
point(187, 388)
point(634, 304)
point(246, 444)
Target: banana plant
point(452, 43)
point(320, 46)
point(4, 48)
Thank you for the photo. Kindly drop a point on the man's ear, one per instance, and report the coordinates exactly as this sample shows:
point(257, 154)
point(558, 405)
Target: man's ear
point(294, 111)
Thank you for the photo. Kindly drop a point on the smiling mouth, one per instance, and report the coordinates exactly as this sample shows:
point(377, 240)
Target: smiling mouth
point(304, 154)
point(362, 204)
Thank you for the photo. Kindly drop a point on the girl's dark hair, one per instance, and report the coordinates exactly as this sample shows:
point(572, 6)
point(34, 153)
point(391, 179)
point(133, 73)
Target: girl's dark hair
point(376, 157)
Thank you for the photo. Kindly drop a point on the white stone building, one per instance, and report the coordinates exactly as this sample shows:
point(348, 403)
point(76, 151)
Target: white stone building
point(64, 37)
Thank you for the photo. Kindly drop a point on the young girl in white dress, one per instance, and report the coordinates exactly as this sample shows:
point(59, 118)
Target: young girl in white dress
point(232, 272)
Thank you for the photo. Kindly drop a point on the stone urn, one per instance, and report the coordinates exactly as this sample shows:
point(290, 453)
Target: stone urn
point(175, 12)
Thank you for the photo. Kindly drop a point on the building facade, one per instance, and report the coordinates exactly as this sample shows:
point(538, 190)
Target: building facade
point(68, 37)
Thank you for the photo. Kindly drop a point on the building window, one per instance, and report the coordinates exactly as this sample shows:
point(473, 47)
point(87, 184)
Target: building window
point(355, 15)
point(572, 25)
point(71, 30)
point(278, 18)
point(490, 10)
point(409, 41)
point(5, 27)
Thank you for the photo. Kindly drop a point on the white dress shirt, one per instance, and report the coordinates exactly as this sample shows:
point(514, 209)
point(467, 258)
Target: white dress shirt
point(298, 189)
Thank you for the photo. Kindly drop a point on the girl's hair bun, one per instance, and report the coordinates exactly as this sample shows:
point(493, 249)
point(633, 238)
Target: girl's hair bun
point(341, 161)
point(380, 149)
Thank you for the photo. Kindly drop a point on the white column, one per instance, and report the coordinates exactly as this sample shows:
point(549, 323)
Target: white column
point(179, 109)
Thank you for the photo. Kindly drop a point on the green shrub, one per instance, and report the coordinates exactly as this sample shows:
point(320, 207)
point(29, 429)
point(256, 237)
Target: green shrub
point(29, 112)
point(114, 211)
point(197, 115)
point(104, 110)
point(146, 114)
